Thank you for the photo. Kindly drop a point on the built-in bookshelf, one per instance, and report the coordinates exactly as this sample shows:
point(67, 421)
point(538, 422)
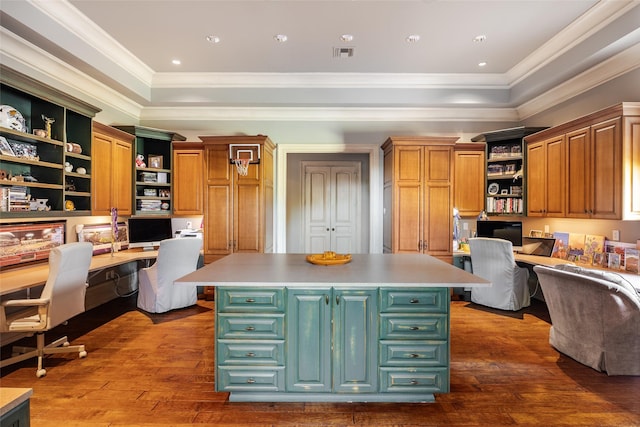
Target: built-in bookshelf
point(505, 181)
point(45, 156)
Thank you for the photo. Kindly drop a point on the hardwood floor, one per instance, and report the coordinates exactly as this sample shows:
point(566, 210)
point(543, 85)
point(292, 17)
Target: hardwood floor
point(145, 370)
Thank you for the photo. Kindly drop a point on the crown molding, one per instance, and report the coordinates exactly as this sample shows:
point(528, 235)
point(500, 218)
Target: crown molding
point(592, 21)
point(28, 58)
point(70, 18)
point(622, 63)
point(328, 114)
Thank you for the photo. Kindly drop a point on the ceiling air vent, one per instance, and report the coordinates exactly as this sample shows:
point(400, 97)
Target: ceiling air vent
point(342, 52)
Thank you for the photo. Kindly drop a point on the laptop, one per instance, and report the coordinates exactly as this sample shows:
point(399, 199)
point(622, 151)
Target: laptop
point(542, 246)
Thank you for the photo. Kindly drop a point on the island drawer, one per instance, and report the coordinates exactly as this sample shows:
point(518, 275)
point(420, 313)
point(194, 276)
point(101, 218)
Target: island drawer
point(414, 353)
point(244, 352)
point(432, 326)
point(418, 380)
point(250, 326)
point(434, 300)
point(250, 378)
point(250, 300)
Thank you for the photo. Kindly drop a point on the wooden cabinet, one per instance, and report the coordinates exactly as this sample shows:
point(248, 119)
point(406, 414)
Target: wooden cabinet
point(152, 181)
point(546, 177)
point(188, 178)
point(55, 168)
point(468, 179)
point(112, 153)
point(418, 196)
point(338, 331)
point(238, 213)
point(601, 164)
point(506, 176)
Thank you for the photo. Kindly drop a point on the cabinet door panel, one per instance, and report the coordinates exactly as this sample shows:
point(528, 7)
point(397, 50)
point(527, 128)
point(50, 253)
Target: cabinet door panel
point(606, 170)
point(102, 163)
point(247, 226)
point(469, 191)
point(355, 356)
point(122, 177)
point(578, 161)
point(408, 164)
point(536, 178)
point(438, 220)
point(438, 161)
point(408, 222)
point(218, 230)
point(188, 182)
point(309, 340)
point(554, 179)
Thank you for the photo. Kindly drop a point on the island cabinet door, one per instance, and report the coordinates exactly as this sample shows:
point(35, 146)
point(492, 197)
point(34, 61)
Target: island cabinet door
point(308, 336)
point(355, 341)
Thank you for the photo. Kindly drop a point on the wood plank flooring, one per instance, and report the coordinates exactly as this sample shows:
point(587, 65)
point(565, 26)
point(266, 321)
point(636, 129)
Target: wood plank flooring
point(158, 370)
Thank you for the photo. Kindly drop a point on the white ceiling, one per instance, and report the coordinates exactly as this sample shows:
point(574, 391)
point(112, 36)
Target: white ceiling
point(117, 55)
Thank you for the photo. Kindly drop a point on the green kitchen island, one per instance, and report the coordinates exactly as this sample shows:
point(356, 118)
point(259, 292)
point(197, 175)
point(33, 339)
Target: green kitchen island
point(373, 330)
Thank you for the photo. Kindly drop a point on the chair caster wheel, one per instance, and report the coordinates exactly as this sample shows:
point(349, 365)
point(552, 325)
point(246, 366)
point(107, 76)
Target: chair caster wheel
point(65, 344)
point(41, 373)
point(82, 354)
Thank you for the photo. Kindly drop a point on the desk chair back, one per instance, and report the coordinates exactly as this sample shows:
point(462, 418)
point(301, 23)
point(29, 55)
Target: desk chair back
point(177, 257)
point(492, 259)
point(67, 281)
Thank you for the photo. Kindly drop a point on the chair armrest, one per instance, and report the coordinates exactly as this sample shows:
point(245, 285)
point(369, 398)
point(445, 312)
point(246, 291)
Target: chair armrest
point(25, 302)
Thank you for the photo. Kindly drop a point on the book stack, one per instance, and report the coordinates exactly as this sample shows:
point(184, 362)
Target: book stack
point(149, 205)
point(15, 199)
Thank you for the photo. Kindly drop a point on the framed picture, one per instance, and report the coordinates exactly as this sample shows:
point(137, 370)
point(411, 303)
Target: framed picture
point(5, 148)
point(155, 161)
point(598, 259)
point(614, 261)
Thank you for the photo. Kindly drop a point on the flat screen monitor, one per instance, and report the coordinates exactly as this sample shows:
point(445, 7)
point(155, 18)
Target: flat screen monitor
point(507, 230)
point(147, 233)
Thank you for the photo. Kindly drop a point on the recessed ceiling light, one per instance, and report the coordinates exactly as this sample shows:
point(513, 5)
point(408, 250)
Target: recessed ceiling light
point(346, 37)
point(213, 39)
point(413, 38)
point(176, 62)
point(280, 38)
point(480, 38)
point(482, 64)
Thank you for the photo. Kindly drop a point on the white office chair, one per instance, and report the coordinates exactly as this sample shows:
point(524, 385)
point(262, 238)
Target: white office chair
point(176, 258)
point(62, 298)
point(492, 259)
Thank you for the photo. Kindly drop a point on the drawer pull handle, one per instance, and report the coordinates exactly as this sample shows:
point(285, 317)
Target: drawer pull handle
point(251, 381)
point(414, 355)
point(414, 382)
point(249, 300)
point(414, 301)
point(250, 354)
point(250, 328)
point(414, 328)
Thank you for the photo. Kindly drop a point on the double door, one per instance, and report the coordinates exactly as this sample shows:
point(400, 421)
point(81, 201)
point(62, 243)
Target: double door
point(332, 344)
point(331, 207)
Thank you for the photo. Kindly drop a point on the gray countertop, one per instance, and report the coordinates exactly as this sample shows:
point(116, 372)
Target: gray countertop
point(364, 270)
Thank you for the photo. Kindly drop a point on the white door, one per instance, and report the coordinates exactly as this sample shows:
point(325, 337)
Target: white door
point(332, 209)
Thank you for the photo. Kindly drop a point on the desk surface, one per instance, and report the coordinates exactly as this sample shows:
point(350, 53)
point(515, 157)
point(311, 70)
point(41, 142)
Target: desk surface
point(364, 270)
point(20, 278)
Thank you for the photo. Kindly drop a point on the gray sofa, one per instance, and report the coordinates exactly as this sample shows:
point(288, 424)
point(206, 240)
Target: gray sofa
point(595, 317)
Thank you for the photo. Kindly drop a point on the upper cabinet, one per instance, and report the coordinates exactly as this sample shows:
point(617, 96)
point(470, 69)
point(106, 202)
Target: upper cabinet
point(594, 168)
point(112, 153)
point(505, 170)
point(468, 180)
point(188, 178)
point(45, 149)
point(152, 169)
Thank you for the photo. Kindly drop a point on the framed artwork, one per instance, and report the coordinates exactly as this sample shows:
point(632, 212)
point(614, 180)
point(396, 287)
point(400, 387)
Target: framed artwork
point(155, 161)
point(614, 261)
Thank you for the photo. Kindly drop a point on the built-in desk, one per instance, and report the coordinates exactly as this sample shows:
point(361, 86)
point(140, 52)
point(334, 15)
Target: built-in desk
point(25, 277)
point(14, 406)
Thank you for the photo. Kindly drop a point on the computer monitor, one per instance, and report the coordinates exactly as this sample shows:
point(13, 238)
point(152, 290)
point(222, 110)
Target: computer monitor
point(147, 233)
point(507, 230)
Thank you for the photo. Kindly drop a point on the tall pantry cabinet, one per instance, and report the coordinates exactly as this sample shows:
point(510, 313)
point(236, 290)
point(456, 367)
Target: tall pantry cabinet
point(238, 213)
point(418, 196)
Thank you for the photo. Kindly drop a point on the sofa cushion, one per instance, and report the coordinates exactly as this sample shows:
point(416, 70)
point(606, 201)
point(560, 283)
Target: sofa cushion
point(601, 275)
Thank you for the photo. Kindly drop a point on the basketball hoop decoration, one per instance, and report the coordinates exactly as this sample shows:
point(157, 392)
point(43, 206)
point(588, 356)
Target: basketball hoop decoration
point(242, 155)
